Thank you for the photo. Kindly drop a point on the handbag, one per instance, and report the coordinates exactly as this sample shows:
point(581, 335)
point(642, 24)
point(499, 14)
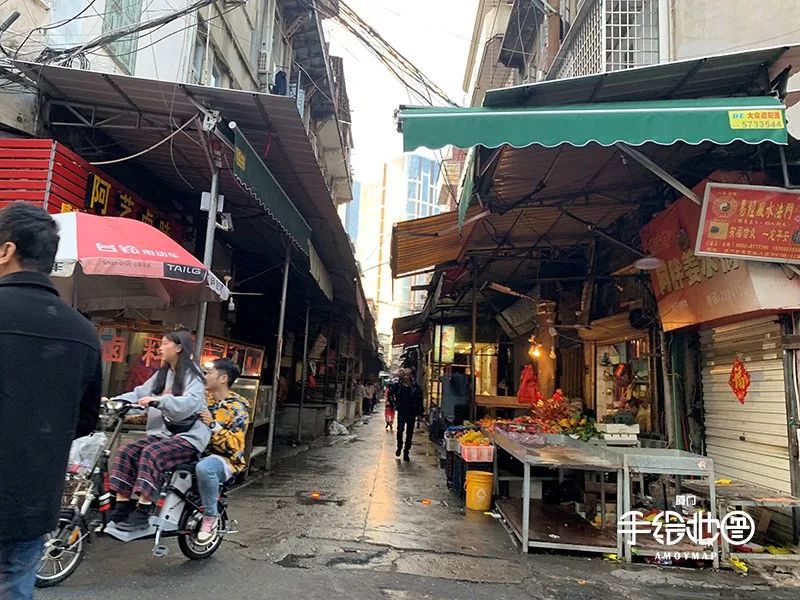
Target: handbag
point(182, 426)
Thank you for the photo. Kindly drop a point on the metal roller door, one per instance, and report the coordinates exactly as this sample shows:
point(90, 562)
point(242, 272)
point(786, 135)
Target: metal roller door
point(748, 442)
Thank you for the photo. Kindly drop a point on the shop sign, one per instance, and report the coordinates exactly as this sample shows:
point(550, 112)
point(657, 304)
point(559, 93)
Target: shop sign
point(692, 289)
point(447, 335)
point(752, 222)
point(114, 349)
point(107, 198)
point(739, 380)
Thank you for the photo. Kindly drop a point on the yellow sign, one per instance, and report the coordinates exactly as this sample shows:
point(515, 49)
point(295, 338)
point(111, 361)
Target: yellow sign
point(241, 159)
point(756, 119)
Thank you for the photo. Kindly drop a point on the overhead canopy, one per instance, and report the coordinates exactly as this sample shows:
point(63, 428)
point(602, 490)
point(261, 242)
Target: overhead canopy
point(420, 243)
point(719, 120)
point(512, 235)
point(736, 74)
point(138, 114)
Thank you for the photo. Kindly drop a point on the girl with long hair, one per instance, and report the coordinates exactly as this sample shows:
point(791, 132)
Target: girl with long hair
point(175, 434)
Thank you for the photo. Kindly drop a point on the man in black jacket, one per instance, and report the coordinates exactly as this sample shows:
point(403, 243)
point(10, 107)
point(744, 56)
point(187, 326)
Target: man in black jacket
point(49, 392)
point(408, 403)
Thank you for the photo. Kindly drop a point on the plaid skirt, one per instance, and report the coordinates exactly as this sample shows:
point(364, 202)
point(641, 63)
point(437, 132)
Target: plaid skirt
point(139, 468)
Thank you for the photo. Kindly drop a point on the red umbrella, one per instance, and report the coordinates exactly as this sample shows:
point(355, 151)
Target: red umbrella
point(111, 263)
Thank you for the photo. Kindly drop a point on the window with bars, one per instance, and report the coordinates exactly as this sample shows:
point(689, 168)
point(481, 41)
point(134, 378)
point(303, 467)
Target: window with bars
point(119, 15)
point(612, 35)
point(631, 34)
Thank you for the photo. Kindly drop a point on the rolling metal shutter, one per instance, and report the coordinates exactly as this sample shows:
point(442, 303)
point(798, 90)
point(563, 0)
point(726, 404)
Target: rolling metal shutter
point(748, 442)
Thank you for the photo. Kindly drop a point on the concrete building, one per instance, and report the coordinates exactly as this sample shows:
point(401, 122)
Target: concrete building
point(405, 188)
point(524, 41)
point(274, 46)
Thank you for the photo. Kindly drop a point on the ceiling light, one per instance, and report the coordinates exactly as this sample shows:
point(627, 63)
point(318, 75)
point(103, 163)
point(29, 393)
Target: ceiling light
point(648, 263)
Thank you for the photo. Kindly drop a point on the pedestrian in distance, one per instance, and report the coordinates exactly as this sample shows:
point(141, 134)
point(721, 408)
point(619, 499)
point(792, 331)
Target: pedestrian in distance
point(369, 395)
point(50, 387)
point(408, 404)
point(388, 413)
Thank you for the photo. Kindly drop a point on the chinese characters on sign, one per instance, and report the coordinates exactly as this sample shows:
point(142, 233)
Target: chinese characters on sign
point(670, 528)
point(739, 380)
point(150, 351)
point(130, 249)
point(755, 119)
point(114, 350)
point(755, 222)
point(103, 198)
point(688, 270)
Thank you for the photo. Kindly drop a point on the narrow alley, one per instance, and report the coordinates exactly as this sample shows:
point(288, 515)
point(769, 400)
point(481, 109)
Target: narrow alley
point(381, 528)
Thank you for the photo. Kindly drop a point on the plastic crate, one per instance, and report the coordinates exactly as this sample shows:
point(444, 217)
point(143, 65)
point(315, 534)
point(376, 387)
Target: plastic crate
point(473, 454)
point(451, 444)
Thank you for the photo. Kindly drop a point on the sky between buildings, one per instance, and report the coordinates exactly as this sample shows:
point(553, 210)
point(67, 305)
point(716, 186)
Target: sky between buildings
point(433, 34)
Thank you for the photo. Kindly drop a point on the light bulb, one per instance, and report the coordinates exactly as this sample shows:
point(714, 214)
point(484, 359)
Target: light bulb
point(536, 352)
point(552, 353)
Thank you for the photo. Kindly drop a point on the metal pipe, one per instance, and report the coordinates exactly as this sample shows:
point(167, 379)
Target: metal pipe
point(474, 380)
point(208, 254)
point(304, 374)
point(278, 352)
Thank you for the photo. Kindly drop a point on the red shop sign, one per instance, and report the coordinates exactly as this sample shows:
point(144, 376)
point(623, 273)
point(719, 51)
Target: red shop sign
point(750, 222)
point(50, 174)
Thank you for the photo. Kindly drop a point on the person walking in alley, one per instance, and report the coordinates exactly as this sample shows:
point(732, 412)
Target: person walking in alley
point(369, 395)
point(388, 413)
point(408, 404)
point(50, 386)
point(358, 390)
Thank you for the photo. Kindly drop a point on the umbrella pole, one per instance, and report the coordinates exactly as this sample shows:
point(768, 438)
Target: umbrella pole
point(278, 352)
point(304, 375)
point(208, 255)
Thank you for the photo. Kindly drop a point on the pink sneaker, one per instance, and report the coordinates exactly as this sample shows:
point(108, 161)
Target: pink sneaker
point(208, 530)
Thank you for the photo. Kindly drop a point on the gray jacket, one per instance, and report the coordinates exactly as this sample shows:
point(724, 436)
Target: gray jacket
point(176, 408)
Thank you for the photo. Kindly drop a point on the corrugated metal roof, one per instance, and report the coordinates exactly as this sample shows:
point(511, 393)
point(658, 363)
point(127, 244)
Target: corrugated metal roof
point(422, 243)
point(272, 124)
point(736, 74)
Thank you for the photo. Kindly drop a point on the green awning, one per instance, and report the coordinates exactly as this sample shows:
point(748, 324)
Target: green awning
point(251, 172)
point(665, 122)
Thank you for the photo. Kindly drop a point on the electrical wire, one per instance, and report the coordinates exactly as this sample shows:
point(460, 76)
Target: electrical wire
point(146, 150)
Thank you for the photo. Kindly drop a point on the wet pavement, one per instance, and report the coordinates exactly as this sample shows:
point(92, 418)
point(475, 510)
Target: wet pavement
point(349, 520)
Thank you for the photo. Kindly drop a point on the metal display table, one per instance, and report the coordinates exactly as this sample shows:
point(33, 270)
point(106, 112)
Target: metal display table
point(554, 527)
point(662, 461)
point(738, 496)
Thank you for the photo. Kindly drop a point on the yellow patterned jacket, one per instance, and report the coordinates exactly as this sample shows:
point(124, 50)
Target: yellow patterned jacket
point(228, 434)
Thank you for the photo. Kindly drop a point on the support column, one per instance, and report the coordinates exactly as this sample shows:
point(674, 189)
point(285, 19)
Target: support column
point(304, 372)
point(474, 390)
point(278, 354)
point(208, 253)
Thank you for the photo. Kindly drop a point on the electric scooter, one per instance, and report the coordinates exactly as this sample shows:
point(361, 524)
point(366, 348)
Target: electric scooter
point(178, 511)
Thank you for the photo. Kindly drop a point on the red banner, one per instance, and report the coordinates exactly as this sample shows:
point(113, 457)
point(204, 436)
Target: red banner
point(752, 222)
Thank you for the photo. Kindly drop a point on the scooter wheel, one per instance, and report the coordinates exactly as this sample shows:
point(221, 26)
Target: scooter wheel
point(64, 548)
point(191, 548)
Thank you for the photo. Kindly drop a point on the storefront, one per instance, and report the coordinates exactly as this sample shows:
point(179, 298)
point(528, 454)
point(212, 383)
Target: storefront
point(742, 312)
point(620, 368)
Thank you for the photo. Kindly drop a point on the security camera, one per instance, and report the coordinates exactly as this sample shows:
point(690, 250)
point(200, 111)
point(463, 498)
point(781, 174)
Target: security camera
point(226, 222)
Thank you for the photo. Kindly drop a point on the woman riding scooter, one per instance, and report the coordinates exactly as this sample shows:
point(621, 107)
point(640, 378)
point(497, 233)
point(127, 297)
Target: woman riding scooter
point(175, 434)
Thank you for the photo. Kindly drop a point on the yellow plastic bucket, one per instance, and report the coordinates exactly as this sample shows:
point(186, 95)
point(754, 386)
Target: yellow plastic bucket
point(479, 490)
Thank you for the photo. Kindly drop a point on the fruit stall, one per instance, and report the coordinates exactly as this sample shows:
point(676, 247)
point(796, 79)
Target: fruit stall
point(560, 481)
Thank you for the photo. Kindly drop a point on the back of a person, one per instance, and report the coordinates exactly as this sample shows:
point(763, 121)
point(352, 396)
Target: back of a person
point(50, 353)
point(49, 381)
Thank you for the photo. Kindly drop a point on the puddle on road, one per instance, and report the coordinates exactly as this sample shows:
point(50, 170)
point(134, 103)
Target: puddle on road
point(305, 498)
point(295, 561)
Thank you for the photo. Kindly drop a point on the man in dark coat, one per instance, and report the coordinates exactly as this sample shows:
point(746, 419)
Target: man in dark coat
point(408, 403)
point(50, 382)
